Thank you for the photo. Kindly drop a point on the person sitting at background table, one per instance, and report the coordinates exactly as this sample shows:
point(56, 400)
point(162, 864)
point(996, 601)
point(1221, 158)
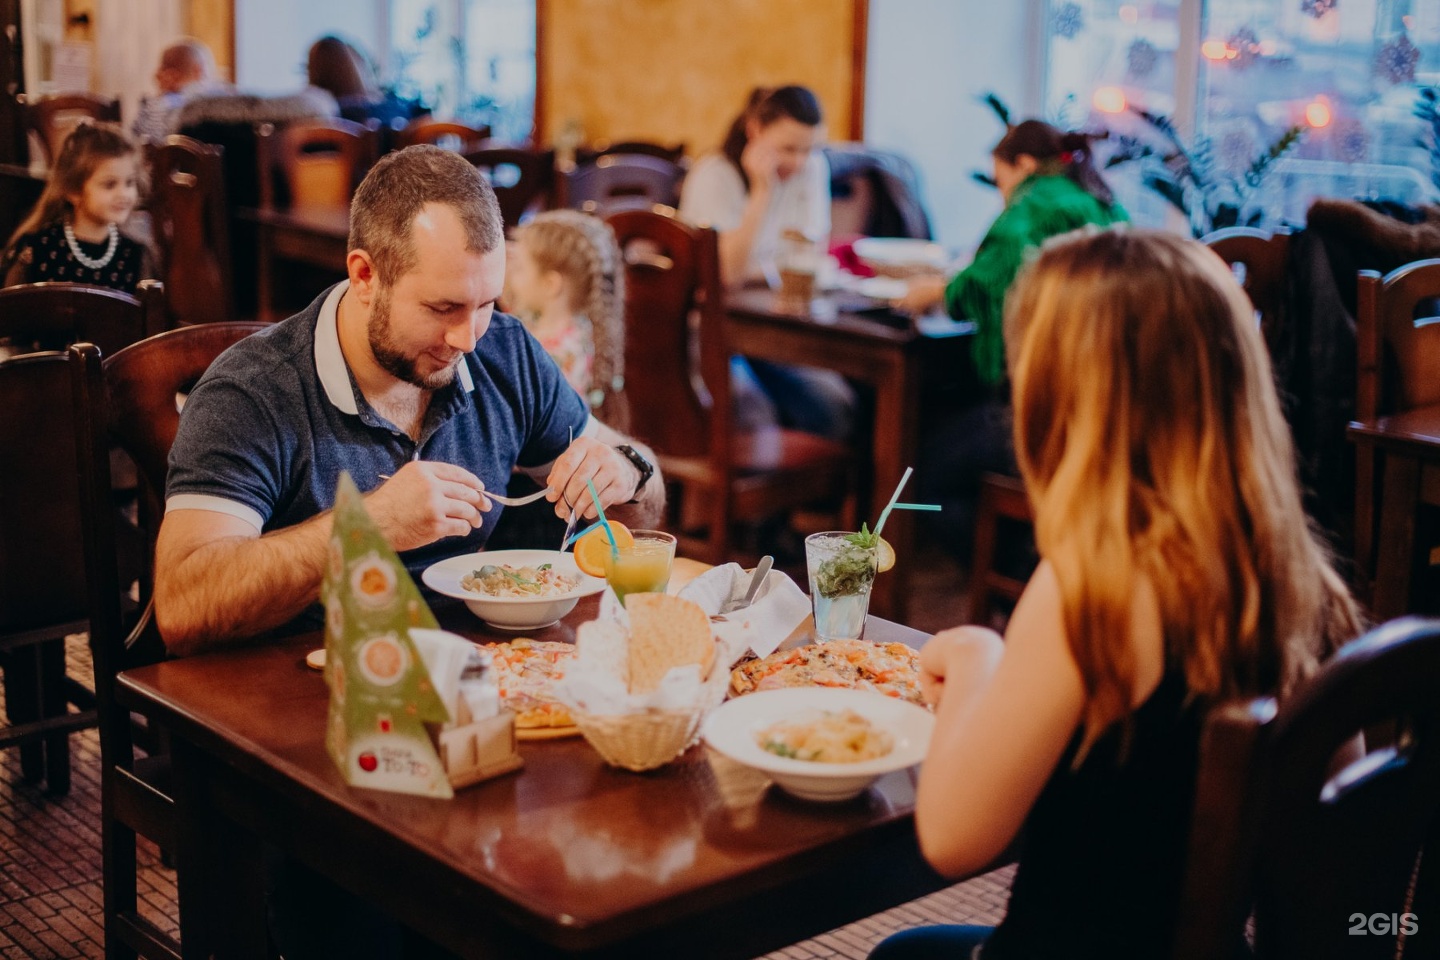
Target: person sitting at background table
point(1178, 570)
point(770, 177)
point(566, 282)
point(1050, 186)
point(405, 370)
point(347, 73)
point(74, 233)
point(186, 71)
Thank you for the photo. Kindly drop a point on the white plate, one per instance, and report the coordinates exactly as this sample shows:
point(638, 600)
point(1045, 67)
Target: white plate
point(901, 252)
point(731, 730)
point(511, 613)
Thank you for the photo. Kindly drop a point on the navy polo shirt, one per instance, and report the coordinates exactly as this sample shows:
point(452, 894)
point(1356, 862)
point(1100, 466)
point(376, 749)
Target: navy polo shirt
point(268, 429)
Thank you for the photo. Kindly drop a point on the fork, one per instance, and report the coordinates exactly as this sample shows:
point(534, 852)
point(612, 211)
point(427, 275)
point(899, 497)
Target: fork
point(507, 501)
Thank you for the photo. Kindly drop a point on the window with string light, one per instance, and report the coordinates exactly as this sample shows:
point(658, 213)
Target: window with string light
point(1240, 112)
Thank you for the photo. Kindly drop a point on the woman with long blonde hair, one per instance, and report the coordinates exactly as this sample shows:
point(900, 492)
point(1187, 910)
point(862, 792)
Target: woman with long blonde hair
point(1177, 569)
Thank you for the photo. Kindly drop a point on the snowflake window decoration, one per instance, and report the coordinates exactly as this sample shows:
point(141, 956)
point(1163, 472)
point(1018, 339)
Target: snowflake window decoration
point(1352, 145)
point(1317, 9)
point(1396, 60)
point(1141, 58)
point(1246, 45)
point(1067, 20)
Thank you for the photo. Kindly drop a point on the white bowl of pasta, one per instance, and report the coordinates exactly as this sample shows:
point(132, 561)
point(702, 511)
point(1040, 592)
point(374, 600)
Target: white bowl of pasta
point(820, 743)
point(513, 589)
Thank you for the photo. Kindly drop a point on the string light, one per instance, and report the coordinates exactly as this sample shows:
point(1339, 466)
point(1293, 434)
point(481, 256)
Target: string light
point(1216, 50)
point(1109, 100)
point(1317, 112)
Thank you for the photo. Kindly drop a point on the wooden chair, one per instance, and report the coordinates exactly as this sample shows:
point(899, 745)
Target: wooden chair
point(1398, 352)
point(50, 316)
point(192, 228)
point(1273, 829)
point(523, 179)
point(679, 389)
point(42, 564)
point(613, 181)
point(674, 153)
point(139, 411)
point(51, 118)
point(314, 163)
point(442, 133)
point(1261, 258)
point(1001, 497)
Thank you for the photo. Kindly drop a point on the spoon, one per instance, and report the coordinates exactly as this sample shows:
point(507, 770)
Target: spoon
point(762, 570)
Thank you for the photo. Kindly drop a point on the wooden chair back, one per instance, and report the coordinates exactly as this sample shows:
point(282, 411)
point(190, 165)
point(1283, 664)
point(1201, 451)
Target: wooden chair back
point(1398, 339)
point(144, 384)
point(1397, 345)
point(1001, 498)
point(1273, 829)
point(523, 179)
point(679, 383)
point(51, 118)
point(444, 133)
point(50, 316)
point(1260, 257)
point(674, 153)
point(633, 180)
point(314, 163)
point(43, 591)
point(140, 412)
point(192, 229)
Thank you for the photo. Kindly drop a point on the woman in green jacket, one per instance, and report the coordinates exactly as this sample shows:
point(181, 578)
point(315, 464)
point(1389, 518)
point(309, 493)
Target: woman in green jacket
point(1051, 186)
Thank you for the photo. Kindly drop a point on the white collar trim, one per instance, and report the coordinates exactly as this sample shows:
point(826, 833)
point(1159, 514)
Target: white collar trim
point(330, 364)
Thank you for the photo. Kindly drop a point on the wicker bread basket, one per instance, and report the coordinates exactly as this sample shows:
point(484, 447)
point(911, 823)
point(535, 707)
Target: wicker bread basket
point(643, 740)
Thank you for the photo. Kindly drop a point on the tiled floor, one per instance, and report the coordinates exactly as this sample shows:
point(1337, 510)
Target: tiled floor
point(50, 897)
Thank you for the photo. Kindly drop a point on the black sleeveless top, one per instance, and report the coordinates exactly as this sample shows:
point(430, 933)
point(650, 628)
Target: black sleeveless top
point(1104, 846)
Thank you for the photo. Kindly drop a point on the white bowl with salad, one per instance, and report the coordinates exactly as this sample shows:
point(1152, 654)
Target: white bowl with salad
point(513, 589)
point(820, 743)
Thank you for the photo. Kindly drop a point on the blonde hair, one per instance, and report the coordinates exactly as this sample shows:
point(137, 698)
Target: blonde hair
point(583, 250)
point(88, 145)
point(1151, 441)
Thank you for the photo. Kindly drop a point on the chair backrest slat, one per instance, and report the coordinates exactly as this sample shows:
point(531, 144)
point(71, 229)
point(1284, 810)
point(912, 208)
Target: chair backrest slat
point(522, 179)
point(675, 353)
point(192, 229)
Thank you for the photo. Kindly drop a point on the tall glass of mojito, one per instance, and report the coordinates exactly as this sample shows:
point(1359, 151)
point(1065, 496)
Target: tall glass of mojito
point(842, 569)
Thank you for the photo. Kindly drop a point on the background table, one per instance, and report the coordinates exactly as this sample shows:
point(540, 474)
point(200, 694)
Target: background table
point(566, 857)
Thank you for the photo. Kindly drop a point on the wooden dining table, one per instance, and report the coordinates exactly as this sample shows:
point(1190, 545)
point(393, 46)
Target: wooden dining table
point(566, 857)
point(315, 236)
point(866, 342)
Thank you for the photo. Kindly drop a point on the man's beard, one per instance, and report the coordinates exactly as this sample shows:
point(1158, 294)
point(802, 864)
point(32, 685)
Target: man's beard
point(389, 355)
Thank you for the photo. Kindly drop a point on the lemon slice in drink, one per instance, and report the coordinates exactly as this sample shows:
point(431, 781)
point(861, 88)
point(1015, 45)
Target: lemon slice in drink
point(884, 556)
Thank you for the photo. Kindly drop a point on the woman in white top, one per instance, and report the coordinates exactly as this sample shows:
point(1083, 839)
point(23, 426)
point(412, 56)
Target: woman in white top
point(770, 177)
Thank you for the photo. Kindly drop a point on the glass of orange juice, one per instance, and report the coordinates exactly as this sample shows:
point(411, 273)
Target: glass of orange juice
point(643, 567)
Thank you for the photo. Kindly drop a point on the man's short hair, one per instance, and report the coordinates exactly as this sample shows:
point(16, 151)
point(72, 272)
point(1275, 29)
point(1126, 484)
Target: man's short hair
point(189, 55)
point(383, 212)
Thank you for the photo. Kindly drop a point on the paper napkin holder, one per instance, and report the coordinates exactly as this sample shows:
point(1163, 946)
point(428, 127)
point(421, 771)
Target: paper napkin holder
point(474, 750)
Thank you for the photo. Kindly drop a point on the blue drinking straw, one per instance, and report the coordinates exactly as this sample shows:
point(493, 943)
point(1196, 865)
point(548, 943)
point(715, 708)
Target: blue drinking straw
point(894, 505)
point(614, 547)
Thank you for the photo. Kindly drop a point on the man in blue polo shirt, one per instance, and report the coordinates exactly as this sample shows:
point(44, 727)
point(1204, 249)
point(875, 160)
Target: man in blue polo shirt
point(404, 370)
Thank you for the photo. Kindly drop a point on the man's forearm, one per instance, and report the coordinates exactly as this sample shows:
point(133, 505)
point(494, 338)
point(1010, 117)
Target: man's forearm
point(238, 587)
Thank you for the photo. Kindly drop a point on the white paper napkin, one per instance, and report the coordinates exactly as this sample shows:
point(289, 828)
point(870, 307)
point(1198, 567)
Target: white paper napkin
point(779, 607)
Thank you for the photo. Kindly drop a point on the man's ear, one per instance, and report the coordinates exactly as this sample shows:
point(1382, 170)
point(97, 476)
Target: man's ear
point(363, 278)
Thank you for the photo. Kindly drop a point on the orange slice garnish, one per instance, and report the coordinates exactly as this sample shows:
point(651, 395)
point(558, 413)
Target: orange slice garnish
point(590, 550)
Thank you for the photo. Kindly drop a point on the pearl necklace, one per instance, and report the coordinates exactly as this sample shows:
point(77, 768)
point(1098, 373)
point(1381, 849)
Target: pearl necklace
point(90, 262)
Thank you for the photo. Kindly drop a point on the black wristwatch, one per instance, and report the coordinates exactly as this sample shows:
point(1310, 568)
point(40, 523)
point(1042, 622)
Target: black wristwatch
point(646, 468)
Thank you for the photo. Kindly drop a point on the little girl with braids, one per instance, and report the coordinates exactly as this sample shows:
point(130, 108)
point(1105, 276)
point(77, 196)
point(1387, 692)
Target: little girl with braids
point(73, 234)
point(565, 281)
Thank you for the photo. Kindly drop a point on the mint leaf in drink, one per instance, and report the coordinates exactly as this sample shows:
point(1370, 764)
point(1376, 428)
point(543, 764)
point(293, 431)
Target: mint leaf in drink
point(852, 568)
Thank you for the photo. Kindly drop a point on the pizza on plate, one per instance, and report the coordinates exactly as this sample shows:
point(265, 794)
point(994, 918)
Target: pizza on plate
point(527, 671)
point(889, 668)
